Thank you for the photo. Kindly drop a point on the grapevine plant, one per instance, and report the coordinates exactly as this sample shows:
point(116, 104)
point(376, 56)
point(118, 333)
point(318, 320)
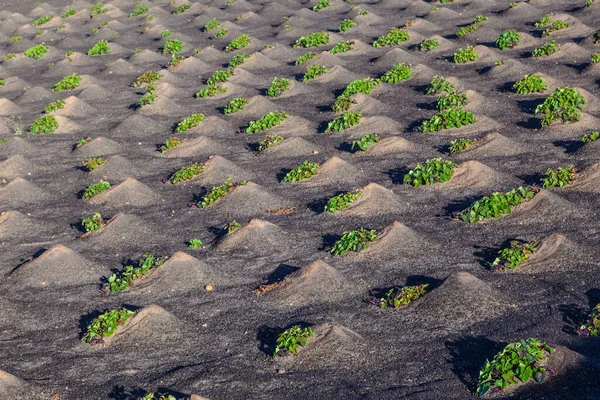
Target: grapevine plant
point(355, 240)
point(401, 296)
point(497, 204)
point(514, 255)
point(432, 171)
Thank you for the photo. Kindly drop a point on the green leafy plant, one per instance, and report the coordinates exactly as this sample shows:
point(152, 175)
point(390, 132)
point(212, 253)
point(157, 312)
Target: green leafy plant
point(138, 11)
point(55, 105)
point(467, 29)
point(480, 18)
point(556, 26)
point(9, 56)
point(366, 141)
point(172, 142)
point(278, 86)
point(45, 124)
point(428, 45)
point(42, 20)
point(166, 33)
point(234, 105)
point(514, 255)
point(93, 223)
point(432, 171)
point(151, 396)
point(530, 84)
point(305, 170)
point(147, 77)
point(99, 48)
point(190, 122)
point(106, 324)
point(364, 86)
point(119, 282)
point(590, 137)
point(355, 240)
point(449, 119)
point(513, 4)
point(232, 226)
point(267, 121)
point(342, 47)
point(195, 243)
point(269, 141)
point(496, 205)
point(36, 51)
point(398, 73)
point(517, 362)
point(314, 39)
point(288, 341)
point(211, 90)
point(218, 192)
point(15, 39)
point(563, 104)
point(508, 39)
point(546, 49)
point(172, 46)
point(220, 32)
point(346, 25)
point(451, 100)
point(342, 201)
point(212, 24)
point(69, 13)
point(342, 103)
point(92, 163)
point(562, 176)
point(321, 4)
point(182, 8)
point(438, 85)
point(394, 37)
point(595, 58)
point(591, 327)
point(69, 82)
point(238, 43)
point(238, 60)
point(95, 189)
point(313, 71)
point(83, 142)
point(460, 144)
point(401, 296)
point(344, 121)
point(186, 173)
point(98, 9)
point(149, 97)
point(465, 55)
point(304, 58)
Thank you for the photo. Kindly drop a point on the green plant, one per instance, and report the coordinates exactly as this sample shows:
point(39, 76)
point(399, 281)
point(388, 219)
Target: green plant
point(83, 142)
point(480, 19)
point(93, 223)
point(238, 60)
point(467, 29)
point(218, 192)
point(366, 141)
point(9, 56)
point(99, 48)
point(42, 20)
point(171, 142)
point(92, 163)
point(342, 47)
point(306, 57)
point(267, 121)
point(394, 37)
point(564, 104)
point(545, 20)
point(508, 39)
point(347, 24)
point(514, 255)
point(119, 282)
point(182, 8)
point(238, 43)
point(590, 137)
point(106, 324)
point(269, 141)
point(397, 74)
point(344, 121)
point(305, 170)
point(186, 172)
point(460, 144)
point(496, 205)
point(363, 12)
point(95, 189)
point(401, 296)
point(364, 86)
point(589, 3)
point(98, 9)
point(428, 45)
point(595, 58)
point(232, 226)
point(234, 105)
point(546, 49)
point(314, 39)
point(530, 84)
point(289, 340)
point(36, 51)
point(149, 97)
point(60, 27)
point(220, 32)
point(448, 119)
point(513, 4)
point(172, 46)
point(314, 71)
point(69, 53)
point(16, 39)
point(190, 122)
point(562, 176)
point(465, 55)
point(2, 82)
point(592, 325)
point(451, 100)
point(432, 171)
point(342, 201)
point(278, 86)
point(138, 11)
point(556, 26)
point(166, 33)
point(45, 124)
point(39, 32)
point(355, 240)
point(521, 360)
point(151, 396)
point(69, 13)
point(321, 4)
point(195, 243)
point(55, 105)
point(69, 82)
point(212, 24)
point(147, 77)
point(341, 104)
point(438, 85)
point(211, 90)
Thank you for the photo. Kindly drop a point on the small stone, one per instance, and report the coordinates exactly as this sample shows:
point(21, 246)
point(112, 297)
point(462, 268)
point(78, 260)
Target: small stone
point(209, 288)
point(280, 371)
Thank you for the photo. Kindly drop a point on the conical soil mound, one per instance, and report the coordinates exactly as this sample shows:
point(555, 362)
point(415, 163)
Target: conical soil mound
point(394, 145)
point(257, 236)
point(373, 124)
point(259, 61)
point(397, 56)
point(151, 324)
point(588, 180)
point(94, 93)
point(20, 191)
point(14, 224)
point(16, 166)
point(58, 266)
point(17, 145)
point(494, 144)
point(12, 387)
point(75, 108)
point(122, 228)
point(335, 171)
point(375, 200)
point(398, 240)
point(218, 169)
point(589, 150)
point(545, 207)
point(197, 147)
point(214, 126)
point(7, 107)
point(128, 193)
point(552, 251)
point(292, 147)
point(97, 147)
point(115, 168)
point(473, 174)
point(249, 200)
point(138, 125)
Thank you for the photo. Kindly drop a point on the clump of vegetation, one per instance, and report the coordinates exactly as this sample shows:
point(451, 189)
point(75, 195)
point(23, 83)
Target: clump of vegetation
point(366, 141)
point(69, 82)
point(448, 119)
point(556, 26)
point(218, 192)
point(497, 204)
point(321, 4)
point(98, 9)
point(238, 60)
point(563, 104)
point(546, 49)
point(83, 142)
point(219, 76)
point(438, 85)
point(432, 171)
point(592, 326)
point(305, 170)
point(516, 363)
point(595, 58)
point(149, 97)
point(398, 73)
point(15, 39)
point(342, 201)
point(36, 51)
point(151, 396)
point(451, 100)
point(220, 32)
point(304, 58)
point(95, 189)
point(166, 33)
point(355, 240)
point(267, 121)
point(232, 226)
point(344, 121)
point(278, 86)
point(171, 142)
point(314, 71)
point(562, 176)
point(346, 25)
point(514, 255)
point(342, 47)
point(235, 105)
point(99, 48)
point(211, 90)
point(467, 29)
point(106, 324)
point(55, 105)
point(212, 24)
point(530, 84)
point(182, 8)
point(590, 137)
point(186, 172)
point(269, 141)
point(195, 243)
point(42, 20)
point(122, 280)
point(394, 37)
point(147, 77)
point(69, 13)
point(172, 46)
point(288, 341)
point(238, 43)
point(465, 55)
point(545, 20)
point(314, 39)
point(138, 11)
point(190, 122)
point(508, 39)
point(45, 124)
point(460, 144)
point(92, 163)
point(428, 45)
point(401, 296)
point(93, 223)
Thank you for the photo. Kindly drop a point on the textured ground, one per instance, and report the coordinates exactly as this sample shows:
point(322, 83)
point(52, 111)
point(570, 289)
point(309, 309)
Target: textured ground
point(218, 343)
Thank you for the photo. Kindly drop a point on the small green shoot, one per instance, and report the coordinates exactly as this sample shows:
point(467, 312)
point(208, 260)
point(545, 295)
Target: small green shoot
point(95, 189)
point(288, 341)
point(106, 324)
point(401, 296)
point(305, 170)
point(355, 240)
point(514, 255)
point(342, 201)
